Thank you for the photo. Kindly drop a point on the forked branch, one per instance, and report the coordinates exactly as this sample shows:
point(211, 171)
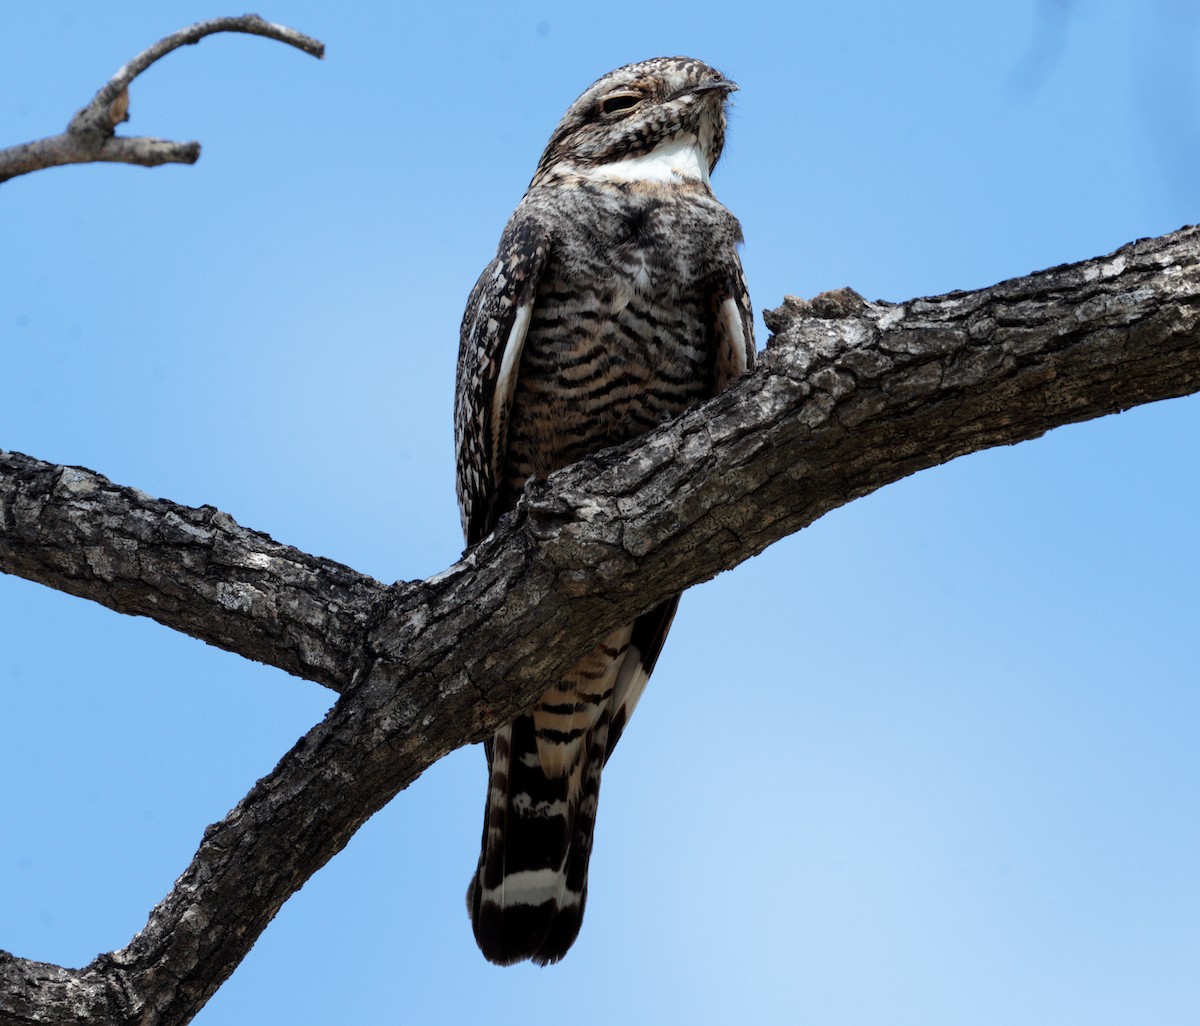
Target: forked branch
point(91, 135)
point(849, 396)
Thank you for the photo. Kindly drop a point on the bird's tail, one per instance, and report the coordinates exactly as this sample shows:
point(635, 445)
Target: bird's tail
point(527, 896)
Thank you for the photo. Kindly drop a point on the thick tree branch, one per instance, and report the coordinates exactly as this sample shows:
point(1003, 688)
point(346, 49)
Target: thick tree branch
point(90, 135)
point(195, 570)
point(848, 396)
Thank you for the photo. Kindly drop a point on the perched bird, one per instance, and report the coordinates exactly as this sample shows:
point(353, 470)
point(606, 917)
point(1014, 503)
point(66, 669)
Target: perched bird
point(615, 301)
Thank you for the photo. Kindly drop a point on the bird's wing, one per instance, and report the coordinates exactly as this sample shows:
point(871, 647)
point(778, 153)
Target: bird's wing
point(733, 327)
point(492, 335)
point(646, 639)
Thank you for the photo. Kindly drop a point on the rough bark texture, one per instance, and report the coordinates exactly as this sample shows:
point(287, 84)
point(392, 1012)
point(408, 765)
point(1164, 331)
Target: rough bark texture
point(848, 396)
point(192, 569)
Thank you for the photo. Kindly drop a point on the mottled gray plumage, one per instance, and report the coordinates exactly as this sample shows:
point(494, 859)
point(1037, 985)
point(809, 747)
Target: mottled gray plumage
point(615, 301)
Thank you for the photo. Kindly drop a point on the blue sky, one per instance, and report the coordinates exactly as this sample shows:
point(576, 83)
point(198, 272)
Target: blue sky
point(934, 760)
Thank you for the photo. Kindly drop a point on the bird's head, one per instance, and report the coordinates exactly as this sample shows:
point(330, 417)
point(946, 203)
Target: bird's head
point(655, 120)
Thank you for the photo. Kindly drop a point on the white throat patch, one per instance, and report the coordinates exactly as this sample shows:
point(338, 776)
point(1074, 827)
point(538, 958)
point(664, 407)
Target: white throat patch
point(677, 160)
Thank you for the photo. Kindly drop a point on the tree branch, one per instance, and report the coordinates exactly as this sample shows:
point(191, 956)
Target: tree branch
point(90, 135)
point(848, 396)
point(195, 570)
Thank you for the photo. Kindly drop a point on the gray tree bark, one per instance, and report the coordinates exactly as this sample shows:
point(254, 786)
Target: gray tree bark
point(91, 136)
point(848, 396)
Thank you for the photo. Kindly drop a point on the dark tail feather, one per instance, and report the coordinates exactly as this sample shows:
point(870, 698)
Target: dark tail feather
point(527, 896)
point(567, 922)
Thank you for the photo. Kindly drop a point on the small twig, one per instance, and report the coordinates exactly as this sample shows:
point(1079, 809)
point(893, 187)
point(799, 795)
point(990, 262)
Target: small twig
point(90, 135)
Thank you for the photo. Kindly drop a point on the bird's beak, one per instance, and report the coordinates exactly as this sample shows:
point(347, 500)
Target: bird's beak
point(724, 85)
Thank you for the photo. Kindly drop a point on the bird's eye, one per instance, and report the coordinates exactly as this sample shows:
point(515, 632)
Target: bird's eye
point(621, 101)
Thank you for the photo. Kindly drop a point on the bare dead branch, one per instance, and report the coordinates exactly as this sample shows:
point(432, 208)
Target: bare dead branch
point(90, 135)
point(67, 148)
point(848, 396)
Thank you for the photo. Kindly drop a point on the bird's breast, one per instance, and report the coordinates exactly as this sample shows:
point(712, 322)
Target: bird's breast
point(620, 330)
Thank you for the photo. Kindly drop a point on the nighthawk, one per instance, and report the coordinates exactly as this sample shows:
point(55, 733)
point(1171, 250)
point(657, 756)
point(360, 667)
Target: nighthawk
point(615, 301)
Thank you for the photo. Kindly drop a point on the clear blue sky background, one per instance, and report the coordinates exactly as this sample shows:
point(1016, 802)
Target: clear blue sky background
point(932, 761)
